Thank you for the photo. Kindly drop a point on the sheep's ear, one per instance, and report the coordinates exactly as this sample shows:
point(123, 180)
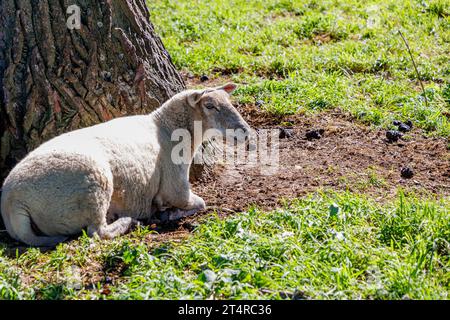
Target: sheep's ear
point(229, 88)
point(194, 98)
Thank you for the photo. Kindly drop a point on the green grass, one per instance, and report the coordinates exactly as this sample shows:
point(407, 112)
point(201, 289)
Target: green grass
point(326, 246)
point(299, 56)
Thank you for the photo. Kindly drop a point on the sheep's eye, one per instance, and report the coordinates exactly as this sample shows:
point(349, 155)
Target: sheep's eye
point(210, 106)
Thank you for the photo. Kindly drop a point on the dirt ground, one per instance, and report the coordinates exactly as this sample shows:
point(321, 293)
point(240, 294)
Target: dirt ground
point(348, 156)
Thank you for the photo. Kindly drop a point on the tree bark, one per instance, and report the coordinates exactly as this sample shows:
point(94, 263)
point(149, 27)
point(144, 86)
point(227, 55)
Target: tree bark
point(53, 79)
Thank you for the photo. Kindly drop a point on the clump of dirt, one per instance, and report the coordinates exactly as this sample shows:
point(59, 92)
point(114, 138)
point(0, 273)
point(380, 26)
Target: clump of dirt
point(393, 135)
point(403, 127)
point(314, 134)
point(407, 173)
point(285, 133)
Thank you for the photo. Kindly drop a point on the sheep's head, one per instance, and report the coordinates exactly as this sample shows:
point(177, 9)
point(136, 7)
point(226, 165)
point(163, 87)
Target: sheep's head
point(214, 108)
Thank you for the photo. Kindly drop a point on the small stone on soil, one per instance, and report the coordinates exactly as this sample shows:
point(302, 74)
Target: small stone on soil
point(204, 78)
point(404, 128)
point(409, 123)
point(314, 134)
point(393, 135)
point(286, 133)
point(406, 173)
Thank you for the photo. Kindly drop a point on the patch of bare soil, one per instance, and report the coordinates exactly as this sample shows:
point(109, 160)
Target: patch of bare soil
point(347, 156)
point(193, 82)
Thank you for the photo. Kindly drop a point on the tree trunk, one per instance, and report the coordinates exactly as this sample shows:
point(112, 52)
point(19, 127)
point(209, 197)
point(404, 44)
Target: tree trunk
point(54, 79)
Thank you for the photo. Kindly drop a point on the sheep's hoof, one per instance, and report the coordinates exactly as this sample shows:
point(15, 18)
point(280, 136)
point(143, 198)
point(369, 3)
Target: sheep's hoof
point(178, 214)
point(173, 214)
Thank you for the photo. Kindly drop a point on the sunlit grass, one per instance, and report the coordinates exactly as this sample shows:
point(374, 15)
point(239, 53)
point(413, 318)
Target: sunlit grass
point(326, 246)
point(295, 57)
point(319, 55)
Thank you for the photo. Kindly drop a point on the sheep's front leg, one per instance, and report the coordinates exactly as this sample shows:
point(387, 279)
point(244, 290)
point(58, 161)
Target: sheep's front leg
point(194, 205)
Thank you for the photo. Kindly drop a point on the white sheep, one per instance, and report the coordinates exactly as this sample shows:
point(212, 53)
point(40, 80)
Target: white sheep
point(120, 170)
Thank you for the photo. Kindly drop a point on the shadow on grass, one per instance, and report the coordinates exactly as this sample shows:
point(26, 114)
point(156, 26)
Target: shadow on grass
point(14, 249)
